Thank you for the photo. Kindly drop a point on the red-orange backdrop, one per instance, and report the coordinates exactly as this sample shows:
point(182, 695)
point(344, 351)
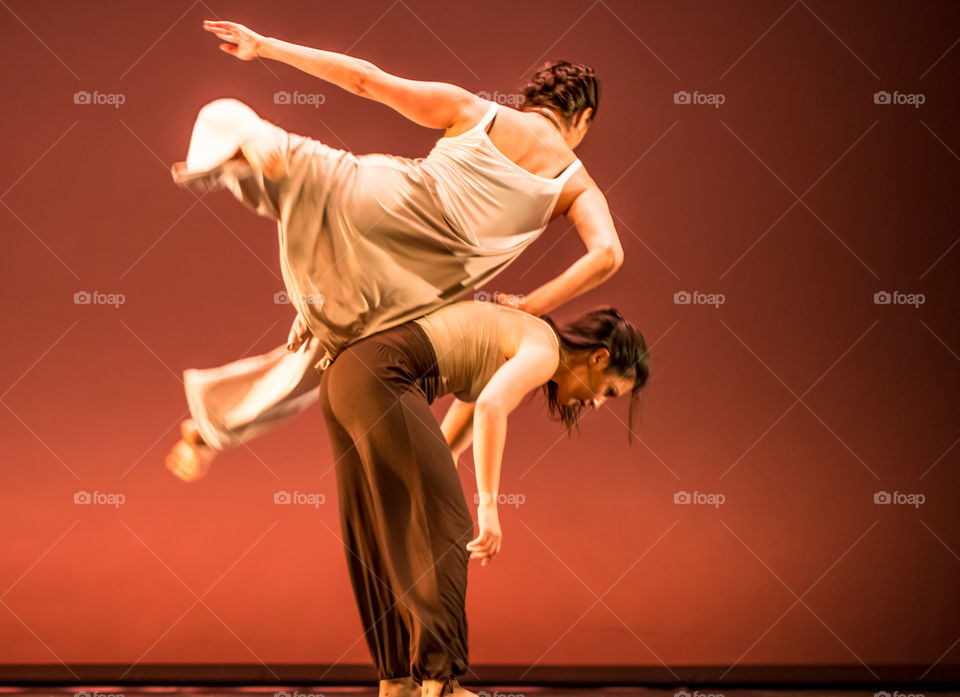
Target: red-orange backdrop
point(781, 195)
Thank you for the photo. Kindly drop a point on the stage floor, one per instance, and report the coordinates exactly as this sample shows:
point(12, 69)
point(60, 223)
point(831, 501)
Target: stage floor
point(481, 691)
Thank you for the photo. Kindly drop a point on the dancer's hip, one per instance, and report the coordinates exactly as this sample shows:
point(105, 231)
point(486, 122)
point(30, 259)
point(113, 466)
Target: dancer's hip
point(401, 356)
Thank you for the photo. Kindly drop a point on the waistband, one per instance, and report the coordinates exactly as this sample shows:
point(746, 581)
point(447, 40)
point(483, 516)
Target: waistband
point(413, 353)
point(423, 357)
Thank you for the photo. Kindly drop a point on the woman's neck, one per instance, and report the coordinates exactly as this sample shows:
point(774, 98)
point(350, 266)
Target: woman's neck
point(563, 367)
point(551, 116)
point(570, 135)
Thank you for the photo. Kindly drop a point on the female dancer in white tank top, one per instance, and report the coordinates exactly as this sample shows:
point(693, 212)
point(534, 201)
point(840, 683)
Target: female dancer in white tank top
point(368, 242)
point(407, 530)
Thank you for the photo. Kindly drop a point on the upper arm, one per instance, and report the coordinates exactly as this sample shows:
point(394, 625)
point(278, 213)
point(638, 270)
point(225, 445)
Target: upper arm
point(533, 364)
point(587, 209)
point(430, 104)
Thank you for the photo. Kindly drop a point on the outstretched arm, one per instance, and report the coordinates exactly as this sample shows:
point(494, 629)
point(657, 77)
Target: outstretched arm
point(430, 104)
point(589, 213)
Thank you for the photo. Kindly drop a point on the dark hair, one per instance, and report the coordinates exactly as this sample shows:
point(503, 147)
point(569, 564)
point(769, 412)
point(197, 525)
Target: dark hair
point(602, 328)
point(567, 87)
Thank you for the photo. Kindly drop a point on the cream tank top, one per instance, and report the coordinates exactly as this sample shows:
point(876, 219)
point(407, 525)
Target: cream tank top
point(491, 200)
point(467, 338)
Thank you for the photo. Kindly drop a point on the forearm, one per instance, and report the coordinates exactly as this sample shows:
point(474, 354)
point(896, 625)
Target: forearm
point(490, 424)
point(341, 70)
point(589, 271)
point(457, 427)
point(461, 442)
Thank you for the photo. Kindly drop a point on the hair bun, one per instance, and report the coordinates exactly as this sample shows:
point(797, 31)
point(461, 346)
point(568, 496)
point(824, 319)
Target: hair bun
point(569, 88)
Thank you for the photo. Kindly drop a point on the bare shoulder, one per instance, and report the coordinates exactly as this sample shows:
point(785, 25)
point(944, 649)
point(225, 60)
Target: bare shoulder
point(521, 329)
point(578, 183)
point(472, 109)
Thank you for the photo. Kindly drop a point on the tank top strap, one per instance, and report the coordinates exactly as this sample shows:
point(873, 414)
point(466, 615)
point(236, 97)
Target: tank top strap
point(568, 172)
point(487, 118)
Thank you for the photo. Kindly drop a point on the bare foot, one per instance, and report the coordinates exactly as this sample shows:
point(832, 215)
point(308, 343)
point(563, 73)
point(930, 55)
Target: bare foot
point(399, 687)
point(211, 179)
point(190, 458)
point(434, 688)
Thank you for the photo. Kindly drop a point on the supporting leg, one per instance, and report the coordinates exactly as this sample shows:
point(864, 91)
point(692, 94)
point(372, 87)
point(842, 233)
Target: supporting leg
point(399, 687)
point(406, 505)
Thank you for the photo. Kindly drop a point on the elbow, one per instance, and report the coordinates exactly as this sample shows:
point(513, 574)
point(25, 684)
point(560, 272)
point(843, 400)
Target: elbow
point(611, 259)
point(488, 408)
point(364, 79)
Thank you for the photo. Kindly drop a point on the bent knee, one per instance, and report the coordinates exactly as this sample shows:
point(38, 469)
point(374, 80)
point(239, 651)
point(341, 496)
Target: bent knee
point(226, 109)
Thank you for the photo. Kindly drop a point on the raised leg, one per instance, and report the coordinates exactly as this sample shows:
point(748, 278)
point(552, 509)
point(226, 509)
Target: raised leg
point(228, 134)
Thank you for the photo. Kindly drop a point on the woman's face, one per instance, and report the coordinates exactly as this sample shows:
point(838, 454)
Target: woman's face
point(589, 384)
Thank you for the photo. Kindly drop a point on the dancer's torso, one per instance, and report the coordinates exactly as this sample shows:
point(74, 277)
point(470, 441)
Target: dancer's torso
point(373, 241)
point(472, 340)
point(490, 199)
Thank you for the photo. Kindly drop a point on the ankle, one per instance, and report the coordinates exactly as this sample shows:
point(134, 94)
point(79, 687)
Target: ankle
point(399, 687)
point(435, 688)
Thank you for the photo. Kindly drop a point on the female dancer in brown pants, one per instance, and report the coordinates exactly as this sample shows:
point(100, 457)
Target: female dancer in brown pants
point(406, 526)
point(405, 522)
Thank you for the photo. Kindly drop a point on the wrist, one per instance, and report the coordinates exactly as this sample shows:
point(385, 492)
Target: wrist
point(530, 306)
point(264, 47)
point(485, 498)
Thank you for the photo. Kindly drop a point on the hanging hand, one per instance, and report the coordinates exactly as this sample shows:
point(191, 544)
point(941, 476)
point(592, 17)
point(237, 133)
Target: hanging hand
point(299, 333)
point(487, 544)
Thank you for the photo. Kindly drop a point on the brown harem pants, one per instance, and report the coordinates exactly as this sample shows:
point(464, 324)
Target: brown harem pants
point(404, 517)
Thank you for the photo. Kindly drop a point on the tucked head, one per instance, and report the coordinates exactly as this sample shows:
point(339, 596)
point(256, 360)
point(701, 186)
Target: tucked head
point(602, 356)
point(570, 90)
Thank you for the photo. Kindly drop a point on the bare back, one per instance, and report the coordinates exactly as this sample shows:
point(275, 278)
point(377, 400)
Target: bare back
point(531, 142)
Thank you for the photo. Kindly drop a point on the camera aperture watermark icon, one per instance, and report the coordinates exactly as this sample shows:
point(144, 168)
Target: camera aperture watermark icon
point(502, 499)
point(297, 98)
point(97, 98)
point(896, 297)
point(299, 498)
point(914, 99)
point(98, 498)
point(97, 693)
point(507, 98)
point(483, 296)
point(697, 693)
point(695, 297)
point(282, 297)
point(699, 498)
point(714, 99)
point(95, 297)
point(899, 498)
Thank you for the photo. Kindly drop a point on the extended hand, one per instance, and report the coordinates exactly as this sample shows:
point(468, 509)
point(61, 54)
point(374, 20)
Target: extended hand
point(244, 43)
